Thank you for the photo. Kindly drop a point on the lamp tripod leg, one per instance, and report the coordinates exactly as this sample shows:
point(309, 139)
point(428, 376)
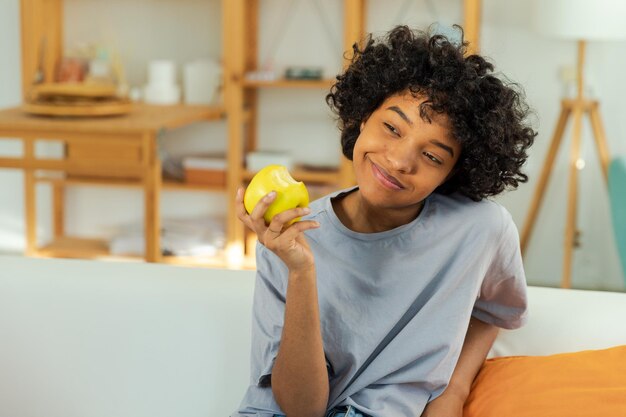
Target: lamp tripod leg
point(545, 175)
point(571, 234)
point(600, 138)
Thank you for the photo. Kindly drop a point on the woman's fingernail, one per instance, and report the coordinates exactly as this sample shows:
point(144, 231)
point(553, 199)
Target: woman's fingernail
point(306, 210)
point(270, 195)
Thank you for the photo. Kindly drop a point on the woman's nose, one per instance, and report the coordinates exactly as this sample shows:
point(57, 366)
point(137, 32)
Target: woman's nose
point(401, 158)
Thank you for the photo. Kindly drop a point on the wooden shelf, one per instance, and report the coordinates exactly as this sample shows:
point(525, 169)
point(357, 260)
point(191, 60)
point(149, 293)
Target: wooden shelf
point(170, 185)
point(85, 248)
point(307, 175)
point(288, 83)
point(143, 117)
point(71, 247)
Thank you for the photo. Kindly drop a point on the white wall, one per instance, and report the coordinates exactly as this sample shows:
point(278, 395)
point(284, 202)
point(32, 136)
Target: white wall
point(300, 122)
point(11, 201)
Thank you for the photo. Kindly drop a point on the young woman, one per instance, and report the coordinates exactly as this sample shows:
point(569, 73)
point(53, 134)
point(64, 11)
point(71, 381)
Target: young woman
point(385, 299)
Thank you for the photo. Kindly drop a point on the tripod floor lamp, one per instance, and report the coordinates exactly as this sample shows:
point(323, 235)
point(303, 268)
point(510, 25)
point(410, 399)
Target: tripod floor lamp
point(580, 20)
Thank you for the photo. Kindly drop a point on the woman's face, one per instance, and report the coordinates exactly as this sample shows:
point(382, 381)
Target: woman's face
point(400, 158)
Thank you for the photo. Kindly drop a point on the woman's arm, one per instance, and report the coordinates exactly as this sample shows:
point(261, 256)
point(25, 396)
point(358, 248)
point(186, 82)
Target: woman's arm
point(478, 340)
point(299, 376)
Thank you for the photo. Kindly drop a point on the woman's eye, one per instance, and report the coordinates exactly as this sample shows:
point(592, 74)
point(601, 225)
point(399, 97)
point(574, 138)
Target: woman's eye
point(392, 129)
point(432, 158)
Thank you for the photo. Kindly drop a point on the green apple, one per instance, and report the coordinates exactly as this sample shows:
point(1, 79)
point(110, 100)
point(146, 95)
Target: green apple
point(289, 192)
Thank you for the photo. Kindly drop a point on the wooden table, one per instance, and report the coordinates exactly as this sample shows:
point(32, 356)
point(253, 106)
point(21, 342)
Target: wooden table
point(117, 149)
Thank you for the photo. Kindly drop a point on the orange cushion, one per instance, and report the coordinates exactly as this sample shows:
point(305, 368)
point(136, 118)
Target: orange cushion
point(581, 384)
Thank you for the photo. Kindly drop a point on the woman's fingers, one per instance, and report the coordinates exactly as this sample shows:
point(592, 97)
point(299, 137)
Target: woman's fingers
point(255, 219)
point(282, 219)
point(292, 232)
point(239, 207)
point(261, 207)
point(290, 241)
point(276, 229)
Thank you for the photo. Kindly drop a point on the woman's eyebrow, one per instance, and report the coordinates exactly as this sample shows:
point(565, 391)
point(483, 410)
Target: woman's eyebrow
point(443, 146)
point(401, 113)
point(410, 122)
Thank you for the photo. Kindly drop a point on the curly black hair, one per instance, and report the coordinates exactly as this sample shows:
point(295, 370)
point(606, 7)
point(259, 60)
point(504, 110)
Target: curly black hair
point(488, 116)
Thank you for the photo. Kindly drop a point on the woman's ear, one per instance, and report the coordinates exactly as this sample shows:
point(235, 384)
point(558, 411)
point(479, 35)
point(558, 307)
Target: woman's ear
point(361, 126)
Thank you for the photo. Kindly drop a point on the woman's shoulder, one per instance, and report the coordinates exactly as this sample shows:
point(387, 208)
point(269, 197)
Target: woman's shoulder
point(485, 213)
point(458, 201)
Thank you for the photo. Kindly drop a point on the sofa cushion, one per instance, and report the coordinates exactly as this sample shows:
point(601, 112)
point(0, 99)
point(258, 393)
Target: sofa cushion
point(580, 384)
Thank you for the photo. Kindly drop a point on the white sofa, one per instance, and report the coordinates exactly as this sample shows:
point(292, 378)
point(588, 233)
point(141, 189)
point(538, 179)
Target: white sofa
point(86, 338)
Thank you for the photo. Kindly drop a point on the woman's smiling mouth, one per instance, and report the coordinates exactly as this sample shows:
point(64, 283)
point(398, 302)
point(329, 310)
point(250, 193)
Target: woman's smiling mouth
point(385, 179)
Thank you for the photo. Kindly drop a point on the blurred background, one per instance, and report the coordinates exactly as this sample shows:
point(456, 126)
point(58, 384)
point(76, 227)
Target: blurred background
point(144, 46)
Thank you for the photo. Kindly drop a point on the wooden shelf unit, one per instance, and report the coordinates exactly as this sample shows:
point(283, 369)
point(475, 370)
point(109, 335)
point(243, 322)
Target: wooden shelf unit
point(115, 151)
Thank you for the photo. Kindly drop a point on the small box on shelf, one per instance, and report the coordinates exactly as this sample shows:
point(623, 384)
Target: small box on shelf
point(304, 73)
point(206, 170)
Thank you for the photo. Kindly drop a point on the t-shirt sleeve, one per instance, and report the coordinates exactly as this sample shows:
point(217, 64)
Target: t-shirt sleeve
point(268, 314)
point(502, 299)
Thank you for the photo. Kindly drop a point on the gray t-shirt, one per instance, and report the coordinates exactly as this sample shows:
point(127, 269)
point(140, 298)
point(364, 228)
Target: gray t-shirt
point(458, 258)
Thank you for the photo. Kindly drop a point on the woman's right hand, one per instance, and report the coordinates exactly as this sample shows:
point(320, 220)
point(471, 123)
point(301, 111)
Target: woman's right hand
point(286, 241)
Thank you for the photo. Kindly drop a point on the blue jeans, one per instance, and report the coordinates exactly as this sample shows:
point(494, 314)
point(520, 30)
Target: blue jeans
point(341, 411)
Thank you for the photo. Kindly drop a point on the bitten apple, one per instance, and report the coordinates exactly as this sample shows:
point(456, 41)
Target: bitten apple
point(289, 192)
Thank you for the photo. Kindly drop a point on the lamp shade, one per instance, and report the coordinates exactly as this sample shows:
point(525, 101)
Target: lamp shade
point(587, 20)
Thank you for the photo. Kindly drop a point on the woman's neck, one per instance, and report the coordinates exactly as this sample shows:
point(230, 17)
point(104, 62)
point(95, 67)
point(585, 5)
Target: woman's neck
point(357, 215)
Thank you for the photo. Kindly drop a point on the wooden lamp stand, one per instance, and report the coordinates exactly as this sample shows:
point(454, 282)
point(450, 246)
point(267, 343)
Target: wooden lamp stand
point(577, 108)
